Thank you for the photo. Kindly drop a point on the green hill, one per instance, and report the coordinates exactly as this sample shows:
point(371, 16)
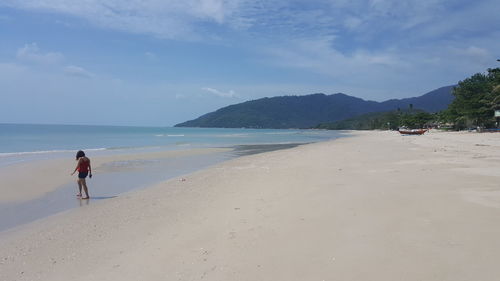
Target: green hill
point(310, 110)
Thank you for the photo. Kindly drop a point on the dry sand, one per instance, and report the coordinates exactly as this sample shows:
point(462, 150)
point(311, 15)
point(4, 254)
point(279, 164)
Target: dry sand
point(377, 206)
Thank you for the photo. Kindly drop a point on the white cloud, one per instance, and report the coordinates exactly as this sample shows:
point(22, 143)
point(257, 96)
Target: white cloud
point(356, 43)
point(382, 74)
point(78, 71)
point(31, 53)
point(320, 56)
point(163, 18)
point(11, 68)
point(229, 94)
point(192, 19)
point(475, 52)
point(150, 55)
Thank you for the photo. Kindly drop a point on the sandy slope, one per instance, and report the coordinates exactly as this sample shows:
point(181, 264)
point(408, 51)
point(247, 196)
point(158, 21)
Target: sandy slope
point(377, 206)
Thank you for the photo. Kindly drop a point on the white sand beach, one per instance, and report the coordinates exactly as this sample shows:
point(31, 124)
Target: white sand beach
point(375, 206)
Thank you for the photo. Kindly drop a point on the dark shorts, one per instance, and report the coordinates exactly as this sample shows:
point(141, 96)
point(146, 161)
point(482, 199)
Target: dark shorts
point(82, 175)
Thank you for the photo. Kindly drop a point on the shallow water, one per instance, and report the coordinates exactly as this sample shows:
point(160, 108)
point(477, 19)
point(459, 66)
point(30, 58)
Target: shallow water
point(25, 143)
point(120, 177)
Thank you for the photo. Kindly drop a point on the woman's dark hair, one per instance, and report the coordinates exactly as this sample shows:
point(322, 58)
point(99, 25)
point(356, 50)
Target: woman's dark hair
point(79, 154)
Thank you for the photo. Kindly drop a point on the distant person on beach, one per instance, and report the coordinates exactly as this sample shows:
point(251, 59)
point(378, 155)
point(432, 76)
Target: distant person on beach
point(84, 170)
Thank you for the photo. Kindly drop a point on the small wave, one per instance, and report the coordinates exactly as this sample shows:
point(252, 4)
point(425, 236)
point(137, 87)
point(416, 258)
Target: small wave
point(232, 135)
point(117, 148)
point(281, 133)
point(10, 154)
point(163, 135)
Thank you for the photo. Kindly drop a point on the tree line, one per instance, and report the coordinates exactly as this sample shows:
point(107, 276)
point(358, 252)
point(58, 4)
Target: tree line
point(476, 100)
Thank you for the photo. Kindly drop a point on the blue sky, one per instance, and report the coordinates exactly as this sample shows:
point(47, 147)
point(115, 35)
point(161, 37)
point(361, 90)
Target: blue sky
point(157, 63)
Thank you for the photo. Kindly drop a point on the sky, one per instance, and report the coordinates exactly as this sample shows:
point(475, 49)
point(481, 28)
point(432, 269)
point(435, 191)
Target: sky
point(158, 63)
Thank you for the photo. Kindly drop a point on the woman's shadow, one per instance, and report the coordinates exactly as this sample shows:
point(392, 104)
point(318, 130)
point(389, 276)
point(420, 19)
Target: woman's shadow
point(102, 197)
point(86, 201)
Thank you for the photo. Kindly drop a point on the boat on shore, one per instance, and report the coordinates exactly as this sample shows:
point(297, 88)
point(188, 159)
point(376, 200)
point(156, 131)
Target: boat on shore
point(412, 131)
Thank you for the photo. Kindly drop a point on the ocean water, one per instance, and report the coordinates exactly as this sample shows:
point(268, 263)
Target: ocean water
point(25, 142)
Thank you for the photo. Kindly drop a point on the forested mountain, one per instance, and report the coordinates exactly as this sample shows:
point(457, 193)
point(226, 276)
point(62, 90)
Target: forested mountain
point(395, 119)
point(433, 101)
point(311, 110)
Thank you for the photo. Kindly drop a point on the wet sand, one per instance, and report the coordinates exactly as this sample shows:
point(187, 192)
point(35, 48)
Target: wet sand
point(377, 206)
point(113, 175)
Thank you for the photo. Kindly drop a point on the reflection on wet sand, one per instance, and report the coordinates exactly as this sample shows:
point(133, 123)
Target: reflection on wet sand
point(113, 178)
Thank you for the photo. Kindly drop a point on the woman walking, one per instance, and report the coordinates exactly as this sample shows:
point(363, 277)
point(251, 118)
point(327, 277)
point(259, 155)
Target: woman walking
point(83, 167)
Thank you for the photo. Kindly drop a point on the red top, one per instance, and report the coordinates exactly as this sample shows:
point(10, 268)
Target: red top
point(83, 166)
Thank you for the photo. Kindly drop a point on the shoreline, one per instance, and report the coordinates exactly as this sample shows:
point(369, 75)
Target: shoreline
point(376, 206)
point(51, 174)
point(113, 176)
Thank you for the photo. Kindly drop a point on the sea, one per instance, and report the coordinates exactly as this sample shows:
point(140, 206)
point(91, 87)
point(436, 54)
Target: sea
point(21, 143)
point(27, 142)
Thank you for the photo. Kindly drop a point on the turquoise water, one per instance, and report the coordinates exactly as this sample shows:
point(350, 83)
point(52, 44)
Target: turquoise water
point(24, 142)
